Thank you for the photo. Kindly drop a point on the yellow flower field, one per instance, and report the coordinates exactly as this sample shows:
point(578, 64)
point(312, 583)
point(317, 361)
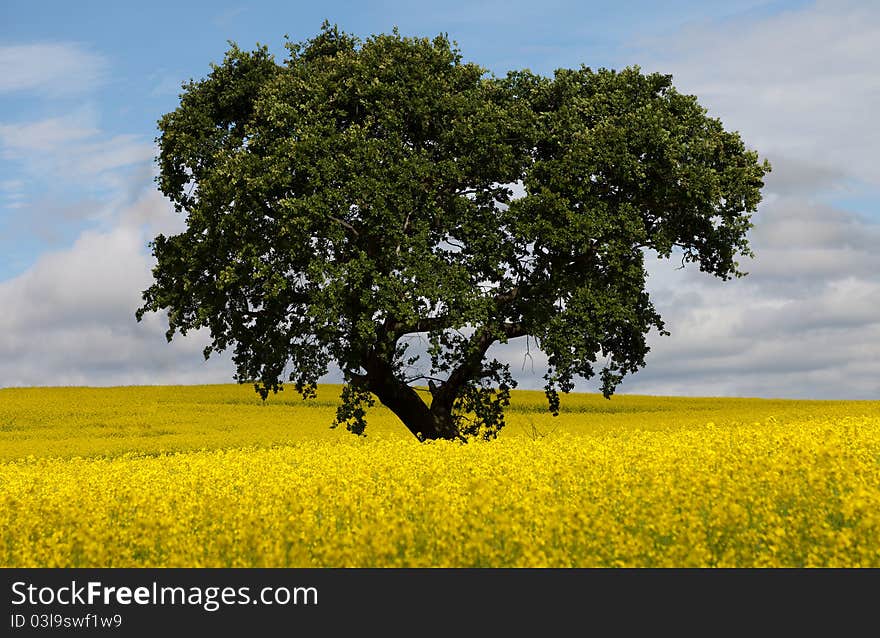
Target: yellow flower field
point(210, 476)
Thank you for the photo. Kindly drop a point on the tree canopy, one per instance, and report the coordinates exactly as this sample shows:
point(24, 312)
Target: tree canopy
point(361, 192)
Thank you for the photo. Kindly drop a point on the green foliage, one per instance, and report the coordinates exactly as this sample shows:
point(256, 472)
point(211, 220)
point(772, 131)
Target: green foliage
point(359, 192)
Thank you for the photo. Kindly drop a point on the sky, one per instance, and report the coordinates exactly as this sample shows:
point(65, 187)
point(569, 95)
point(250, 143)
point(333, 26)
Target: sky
point(83, 85)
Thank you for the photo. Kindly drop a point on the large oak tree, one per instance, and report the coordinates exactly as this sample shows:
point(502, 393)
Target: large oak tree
point(359, 193)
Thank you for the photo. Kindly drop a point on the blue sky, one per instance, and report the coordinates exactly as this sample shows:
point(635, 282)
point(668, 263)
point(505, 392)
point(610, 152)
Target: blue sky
point(84, 84)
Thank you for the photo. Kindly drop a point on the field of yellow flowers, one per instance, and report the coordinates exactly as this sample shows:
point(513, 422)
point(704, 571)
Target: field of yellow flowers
point(211, 476)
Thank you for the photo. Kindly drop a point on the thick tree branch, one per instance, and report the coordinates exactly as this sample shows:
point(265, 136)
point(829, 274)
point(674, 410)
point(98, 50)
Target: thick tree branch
point(403, 231)
point(507, 297)
point(445, 394)
point(431, 324)
point(344, 224)
point(426, 324)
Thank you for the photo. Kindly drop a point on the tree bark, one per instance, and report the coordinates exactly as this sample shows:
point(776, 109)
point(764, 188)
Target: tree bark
point(409, 407)
point(423, 421)
point(435, 421)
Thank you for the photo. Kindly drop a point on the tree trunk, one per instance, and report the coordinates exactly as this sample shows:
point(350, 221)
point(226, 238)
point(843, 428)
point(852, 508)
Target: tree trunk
point(409, 407)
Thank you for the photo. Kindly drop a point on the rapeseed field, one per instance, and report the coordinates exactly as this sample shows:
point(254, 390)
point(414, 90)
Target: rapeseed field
point(211, 476)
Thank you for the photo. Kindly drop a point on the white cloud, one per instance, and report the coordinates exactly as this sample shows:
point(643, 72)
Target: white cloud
point(43, 136)
point(11, 185)
point(72, 314)
point(12, 193)
point(59, 166)
point(227, 16)
point(165, 84)
point(50, 68)
point(802, 84)
point(97, 157)
point(73, 148)
point(805, 322)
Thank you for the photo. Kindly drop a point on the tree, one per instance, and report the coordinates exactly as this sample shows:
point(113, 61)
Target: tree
point(360, 193)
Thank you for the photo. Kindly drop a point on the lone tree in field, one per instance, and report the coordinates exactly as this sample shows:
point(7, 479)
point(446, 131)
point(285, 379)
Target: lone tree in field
point(360, 193)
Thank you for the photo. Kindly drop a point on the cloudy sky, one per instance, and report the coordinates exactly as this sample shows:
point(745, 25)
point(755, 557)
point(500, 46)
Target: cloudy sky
point(84, 83)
